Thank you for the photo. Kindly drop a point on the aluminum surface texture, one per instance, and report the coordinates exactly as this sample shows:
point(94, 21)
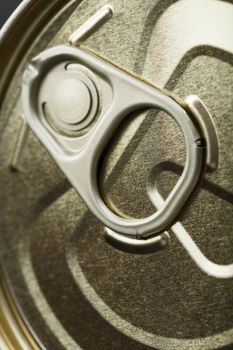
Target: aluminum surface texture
point(73, 285)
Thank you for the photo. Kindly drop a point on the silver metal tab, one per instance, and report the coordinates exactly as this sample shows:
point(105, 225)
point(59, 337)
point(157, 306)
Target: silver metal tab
point(78, 156)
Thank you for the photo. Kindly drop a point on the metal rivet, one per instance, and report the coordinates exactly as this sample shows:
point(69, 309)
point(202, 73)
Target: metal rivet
point(71, 101)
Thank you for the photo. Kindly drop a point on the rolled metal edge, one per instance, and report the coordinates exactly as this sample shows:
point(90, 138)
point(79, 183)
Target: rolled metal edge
point(14, 333)
point(16, 36)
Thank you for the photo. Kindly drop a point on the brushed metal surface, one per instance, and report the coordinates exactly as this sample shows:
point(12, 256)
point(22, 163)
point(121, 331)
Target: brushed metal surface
point(77, 291)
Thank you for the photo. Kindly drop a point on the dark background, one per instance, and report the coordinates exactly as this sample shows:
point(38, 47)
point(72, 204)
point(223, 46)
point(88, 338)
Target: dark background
point(6, 8)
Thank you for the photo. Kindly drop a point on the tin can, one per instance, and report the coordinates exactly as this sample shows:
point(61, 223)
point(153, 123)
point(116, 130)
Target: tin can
point(67, 283)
